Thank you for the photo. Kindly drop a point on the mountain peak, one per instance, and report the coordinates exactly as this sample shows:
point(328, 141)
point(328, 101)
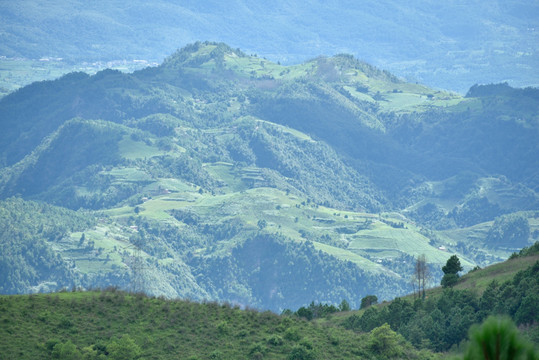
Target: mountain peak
point(199, 53)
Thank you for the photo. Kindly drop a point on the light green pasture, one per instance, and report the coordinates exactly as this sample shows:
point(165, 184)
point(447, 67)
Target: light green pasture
point(228, 174)
point(385, 240)
point(132, 150)
point(347, 255)
point(129, 174)
point(251, 66)
point(285, 129)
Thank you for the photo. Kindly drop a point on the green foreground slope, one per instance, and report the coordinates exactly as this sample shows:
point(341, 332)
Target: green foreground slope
point(442, 319)
point(115, 325)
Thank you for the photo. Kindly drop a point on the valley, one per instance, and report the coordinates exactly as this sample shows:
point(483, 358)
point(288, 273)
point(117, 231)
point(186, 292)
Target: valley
point(223, 176)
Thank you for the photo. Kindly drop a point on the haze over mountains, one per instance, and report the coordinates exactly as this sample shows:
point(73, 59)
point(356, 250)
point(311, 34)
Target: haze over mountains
point(317, 175)
point(450, 45)
point(219, 175)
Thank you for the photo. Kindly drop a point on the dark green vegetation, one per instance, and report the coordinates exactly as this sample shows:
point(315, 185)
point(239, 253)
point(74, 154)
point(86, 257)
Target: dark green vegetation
point(442, 320)
point(115, 325)
point(498, 339)
point(227, 177)
point(28, 262)
point(451, 272)
point(112, 324)
point(450, 45)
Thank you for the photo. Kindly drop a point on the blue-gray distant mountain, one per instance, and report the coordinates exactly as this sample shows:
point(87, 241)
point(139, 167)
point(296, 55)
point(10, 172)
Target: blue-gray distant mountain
point(450, 45)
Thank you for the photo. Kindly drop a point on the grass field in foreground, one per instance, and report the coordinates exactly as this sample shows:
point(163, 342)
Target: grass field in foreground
point(163, 329)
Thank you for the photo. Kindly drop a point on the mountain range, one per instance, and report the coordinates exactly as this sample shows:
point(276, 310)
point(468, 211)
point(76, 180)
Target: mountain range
point(225, 176)
point(450, 46)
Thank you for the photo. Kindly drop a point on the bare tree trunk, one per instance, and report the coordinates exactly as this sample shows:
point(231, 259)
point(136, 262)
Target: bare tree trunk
point(421, 274)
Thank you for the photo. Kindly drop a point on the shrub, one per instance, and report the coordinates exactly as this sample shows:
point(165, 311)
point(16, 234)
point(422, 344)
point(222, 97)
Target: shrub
point(498, 338)
point(368, 301)
point(275, 340)
point(223, 328)
point(66, 351)
point(385, 342)
point(292, 334)
point(216, 355)
point(257, 349)
point(301, 353)
point(123, 349)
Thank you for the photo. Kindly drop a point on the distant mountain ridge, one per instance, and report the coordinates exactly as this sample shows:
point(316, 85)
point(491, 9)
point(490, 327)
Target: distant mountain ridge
point(331, 167)
point(451, 45)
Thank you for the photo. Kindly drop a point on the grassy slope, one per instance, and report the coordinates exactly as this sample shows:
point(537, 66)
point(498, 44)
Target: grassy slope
point(479, 279)
point(475, 281)
point(165, 329)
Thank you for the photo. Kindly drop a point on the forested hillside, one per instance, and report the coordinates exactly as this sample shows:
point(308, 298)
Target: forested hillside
point(442, 320)
point(223, 176)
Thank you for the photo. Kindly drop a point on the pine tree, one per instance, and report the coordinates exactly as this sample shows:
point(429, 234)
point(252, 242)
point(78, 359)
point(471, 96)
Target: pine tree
point(451, 270)
point(497, 339)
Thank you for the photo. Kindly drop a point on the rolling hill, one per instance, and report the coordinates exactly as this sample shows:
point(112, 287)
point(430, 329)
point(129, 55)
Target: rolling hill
point(223, 176)
point(442, 319)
